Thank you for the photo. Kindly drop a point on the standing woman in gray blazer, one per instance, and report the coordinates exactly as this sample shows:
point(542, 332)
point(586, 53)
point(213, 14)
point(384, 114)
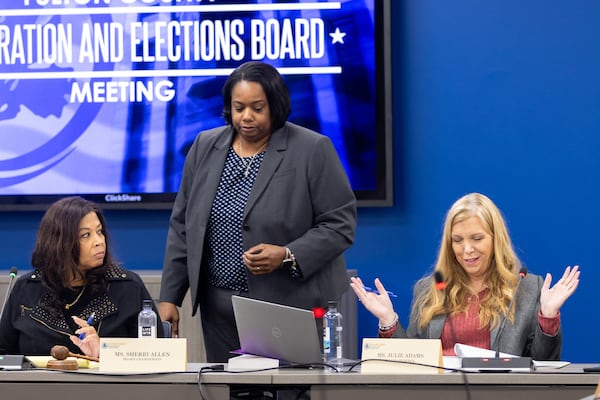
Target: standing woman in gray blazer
point(482, 274)
point(264, 210)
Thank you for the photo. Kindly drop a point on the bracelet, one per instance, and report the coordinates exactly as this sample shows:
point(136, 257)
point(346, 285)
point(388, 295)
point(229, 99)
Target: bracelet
point(289, 256)
point(390, 326)
point(293, 257)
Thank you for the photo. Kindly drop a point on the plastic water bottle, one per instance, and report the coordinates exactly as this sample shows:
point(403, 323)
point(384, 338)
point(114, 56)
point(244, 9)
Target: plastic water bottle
point(332, 335)
point(147, 321)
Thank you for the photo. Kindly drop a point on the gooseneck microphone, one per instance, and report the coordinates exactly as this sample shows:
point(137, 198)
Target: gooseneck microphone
point(440, 285)
point(522, 274)
point(10, 361)
point(501, 364)
point(12, 274)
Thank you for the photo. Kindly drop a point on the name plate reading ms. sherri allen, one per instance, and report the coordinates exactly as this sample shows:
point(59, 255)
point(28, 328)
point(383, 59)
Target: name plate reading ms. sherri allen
point(401, 356)
point(143, 355)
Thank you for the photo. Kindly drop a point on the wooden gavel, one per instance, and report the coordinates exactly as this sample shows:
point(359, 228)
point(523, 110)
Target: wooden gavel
point(62, 352)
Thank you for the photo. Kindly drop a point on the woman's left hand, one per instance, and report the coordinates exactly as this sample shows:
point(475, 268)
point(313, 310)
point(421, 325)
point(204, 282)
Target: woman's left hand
point(263, 258)
point(552, 298)
point(90, 344)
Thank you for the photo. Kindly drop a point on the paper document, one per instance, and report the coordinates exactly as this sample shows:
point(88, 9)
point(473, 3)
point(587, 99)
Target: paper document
point(452, 362)
point(250, 362)
point(551, 364)
point(42, 361)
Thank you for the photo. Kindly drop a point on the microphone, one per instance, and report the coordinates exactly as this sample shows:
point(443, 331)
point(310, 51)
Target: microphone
point(9, 361)
point(501, 364)
point(522, 274)
point(439, 281)
point(11, 279)
point(440, 285)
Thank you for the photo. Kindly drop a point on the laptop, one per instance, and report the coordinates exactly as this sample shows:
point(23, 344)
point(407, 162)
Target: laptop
point(272, 330)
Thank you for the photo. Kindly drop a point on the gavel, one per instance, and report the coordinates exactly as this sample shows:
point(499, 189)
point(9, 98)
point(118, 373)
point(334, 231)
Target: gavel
point(62, 352)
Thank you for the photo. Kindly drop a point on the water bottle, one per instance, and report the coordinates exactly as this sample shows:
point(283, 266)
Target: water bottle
point(332, 335)
point(147, 321)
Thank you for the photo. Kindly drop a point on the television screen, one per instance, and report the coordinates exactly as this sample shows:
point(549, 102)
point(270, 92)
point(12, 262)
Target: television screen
point(103, 98)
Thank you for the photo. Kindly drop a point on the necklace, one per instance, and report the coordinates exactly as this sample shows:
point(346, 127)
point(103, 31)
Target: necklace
point(249, 164)
point(473, 298)
point(69, 305)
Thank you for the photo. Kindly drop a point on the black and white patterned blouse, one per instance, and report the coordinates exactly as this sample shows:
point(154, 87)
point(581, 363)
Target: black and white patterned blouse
point(224, 231)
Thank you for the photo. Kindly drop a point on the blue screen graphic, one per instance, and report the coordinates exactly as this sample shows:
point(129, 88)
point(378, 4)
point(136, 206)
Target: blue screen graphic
point(104, 99)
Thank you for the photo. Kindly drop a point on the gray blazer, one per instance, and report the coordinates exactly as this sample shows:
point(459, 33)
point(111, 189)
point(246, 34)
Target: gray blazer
point(524, 337)
point(301, 199)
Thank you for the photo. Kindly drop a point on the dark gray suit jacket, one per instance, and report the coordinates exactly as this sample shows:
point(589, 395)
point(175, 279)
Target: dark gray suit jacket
point(301, 199)
point(523, 338)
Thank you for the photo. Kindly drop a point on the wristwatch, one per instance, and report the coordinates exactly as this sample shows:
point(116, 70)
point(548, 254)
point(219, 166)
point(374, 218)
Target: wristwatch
point(289, 262)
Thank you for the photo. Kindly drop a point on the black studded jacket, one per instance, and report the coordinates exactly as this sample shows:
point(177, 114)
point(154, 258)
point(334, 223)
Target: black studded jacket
point(27, 327)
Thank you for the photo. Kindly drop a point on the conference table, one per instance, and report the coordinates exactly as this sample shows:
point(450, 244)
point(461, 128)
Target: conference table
point(545, 383)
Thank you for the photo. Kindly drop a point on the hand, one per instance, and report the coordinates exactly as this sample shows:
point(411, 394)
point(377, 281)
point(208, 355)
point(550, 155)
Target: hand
point(169, 312)
point(552, 299)
point(263, 258)
point(379, 305)
point(90, 344)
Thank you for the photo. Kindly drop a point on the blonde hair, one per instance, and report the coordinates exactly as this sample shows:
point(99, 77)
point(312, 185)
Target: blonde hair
point(502, 276)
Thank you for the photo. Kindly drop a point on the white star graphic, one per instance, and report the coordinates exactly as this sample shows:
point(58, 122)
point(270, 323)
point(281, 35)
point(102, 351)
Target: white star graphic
point(337, 36)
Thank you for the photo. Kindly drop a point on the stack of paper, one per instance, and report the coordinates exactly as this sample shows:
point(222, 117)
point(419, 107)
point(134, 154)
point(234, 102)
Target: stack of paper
point(249, 362)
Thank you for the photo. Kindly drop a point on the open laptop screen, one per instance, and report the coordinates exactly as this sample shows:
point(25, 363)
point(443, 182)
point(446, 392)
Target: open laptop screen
point(277, 331)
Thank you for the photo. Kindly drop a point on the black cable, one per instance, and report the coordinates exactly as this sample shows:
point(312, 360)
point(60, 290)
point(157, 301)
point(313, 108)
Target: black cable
point(360, 362)
point(220, 368)
point(462, 371)
point(350, 368)
point(208, 368)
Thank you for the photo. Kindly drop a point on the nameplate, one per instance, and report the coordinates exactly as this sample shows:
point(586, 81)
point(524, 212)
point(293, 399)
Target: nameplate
point(143, 355)
point(401, 356)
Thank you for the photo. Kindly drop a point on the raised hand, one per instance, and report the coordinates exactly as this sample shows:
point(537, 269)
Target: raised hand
point(552, 298)
point(379, 304)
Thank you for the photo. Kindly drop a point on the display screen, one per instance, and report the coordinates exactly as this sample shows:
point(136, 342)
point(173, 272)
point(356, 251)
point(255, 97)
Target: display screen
point(103, 98)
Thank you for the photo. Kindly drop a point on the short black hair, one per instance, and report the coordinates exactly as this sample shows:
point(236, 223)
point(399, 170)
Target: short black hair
point(272, 84)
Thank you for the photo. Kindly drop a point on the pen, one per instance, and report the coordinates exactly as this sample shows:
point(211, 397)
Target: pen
point(369, 289)
point(89, 322)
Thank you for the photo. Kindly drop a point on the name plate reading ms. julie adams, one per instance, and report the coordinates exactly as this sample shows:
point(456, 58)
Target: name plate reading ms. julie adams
point(143, 355)
point(401, 356)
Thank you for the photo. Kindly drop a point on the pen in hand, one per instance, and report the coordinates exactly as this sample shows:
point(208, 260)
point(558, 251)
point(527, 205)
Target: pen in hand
point(370, 289)
point(89, 322)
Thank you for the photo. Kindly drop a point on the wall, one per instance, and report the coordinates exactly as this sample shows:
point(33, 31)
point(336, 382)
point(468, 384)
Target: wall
point(495, 96)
